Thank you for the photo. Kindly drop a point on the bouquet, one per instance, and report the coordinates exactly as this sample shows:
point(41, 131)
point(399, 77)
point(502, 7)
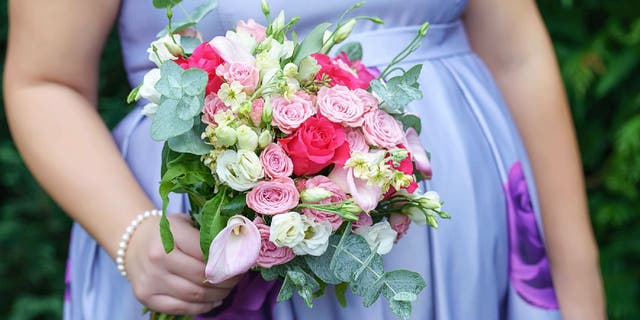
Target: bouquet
point(298, 164)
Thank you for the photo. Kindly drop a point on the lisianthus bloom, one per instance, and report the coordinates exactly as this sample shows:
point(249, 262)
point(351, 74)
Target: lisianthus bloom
point(343, 71)
point(270, 254)
point(240, 235)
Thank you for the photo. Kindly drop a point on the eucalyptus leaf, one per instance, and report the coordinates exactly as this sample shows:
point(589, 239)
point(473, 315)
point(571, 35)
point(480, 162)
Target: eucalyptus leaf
point(286, 290)
point(169, 85)
point(399, 91)
point(189, 44)
point(194, 81)
point(353, 50)
point(193, 18)
point(312, 43)
point(400, 308)
point(161, 4)
point(190, 142)
point(409, 120)
point(165, 124)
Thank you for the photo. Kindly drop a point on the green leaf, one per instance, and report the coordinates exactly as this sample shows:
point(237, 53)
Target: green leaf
point(286, 291)
point(165, 124)
point(165, 233)
point(409, 120)
point(133, 95)
point(405, 296)
point(194, 17)
point(312, 43)
point(194, 81)
point(189, 44)
point(160, 4)
point(400, 308)
point(350, 253)
point(320, 265)
point(212, 221)
point(190, 142)
point(170, 83)
point(399, 91)
point(353, 50)
point(341, 290)
point(235, 205)
point(402, 284)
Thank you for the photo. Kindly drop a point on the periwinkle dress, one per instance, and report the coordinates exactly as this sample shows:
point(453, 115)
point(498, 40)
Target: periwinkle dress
point(488, 262)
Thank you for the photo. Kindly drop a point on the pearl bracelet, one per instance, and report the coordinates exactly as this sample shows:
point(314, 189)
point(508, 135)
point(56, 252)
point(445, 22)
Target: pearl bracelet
point(122, 247)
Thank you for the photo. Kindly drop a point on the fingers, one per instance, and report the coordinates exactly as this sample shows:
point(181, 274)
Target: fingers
point(227, 284)
point(187, 238)
point(185, 290)
point(171, 305)
point(185, 266)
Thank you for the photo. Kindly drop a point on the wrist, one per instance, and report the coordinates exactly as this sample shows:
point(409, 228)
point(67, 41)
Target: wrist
point(123, 245)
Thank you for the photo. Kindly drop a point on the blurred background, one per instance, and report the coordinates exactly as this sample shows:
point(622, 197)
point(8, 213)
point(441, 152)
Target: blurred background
point(598, 45)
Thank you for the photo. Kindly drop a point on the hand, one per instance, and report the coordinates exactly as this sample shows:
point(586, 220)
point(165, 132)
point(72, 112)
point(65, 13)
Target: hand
point(172, 283)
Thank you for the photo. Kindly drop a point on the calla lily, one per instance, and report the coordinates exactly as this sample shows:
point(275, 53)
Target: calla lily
point(231, 51)
point(365, 195)
point(234, 250)
point(417, 152)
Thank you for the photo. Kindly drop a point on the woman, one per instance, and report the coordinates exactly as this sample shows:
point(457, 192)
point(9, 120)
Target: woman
point(488, 262)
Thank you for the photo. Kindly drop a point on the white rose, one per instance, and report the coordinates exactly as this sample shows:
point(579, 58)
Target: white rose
point(316, 238)
point(247, 138)
point(148, 89)
point(239, 170)
point(379, 234)
point(287, 229)
point(165, 49)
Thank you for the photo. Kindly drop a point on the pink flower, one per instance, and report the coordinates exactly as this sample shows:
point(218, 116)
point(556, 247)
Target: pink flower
point(289, 114)
point(400, 223)
point(275, 162)
point(212, 105)
point(317, 144)
point(233, 251)
point(364, 194)
point(342, 71)
point(417, 153)
point(257, 106)
point(245, 74)
point(205, 58)
point(341, 105)
point(382, 130)
point(356, 140)
point(364, 220)
point(369, 101)
point(272, 197)
point(253, 28)
point(270, 254)
point(337, 196)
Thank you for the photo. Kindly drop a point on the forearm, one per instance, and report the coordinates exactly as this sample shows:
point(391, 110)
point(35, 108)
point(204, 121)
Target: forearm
point(534, 92)
point(71, 153)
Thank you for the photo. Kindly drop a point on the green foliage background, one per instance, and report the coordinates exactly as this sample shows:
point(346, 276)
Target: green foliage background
point(598, 45)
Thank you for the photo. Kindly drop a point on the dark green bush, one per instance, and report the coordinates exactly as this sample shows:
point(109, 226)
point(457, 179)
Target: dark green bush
point(598, 45)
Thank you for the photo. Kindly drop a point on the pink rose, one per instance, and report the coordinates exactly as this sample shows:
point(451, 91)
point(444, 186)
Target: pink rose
point(270, 254)
point(275, 162)
point(257, 106)
point(272, 197)
point(364, 220)
point(244, 73)
point(253, 28)
point(212, 105)
point(400, 223)
point(337, 195)
point(289, 114)
point(382, 130)
point(317, 144)
point(356, 140)
point(340, 105)
point(369, 101)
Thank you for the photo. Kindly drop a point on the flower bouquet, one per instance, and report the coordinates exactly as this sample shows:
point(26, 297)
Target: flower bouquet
point(297, 164)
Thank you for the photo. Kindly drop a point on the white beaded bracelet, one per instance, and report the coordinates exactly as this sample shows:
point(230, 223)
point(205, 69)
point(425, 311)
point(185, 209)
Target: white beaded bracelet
point(124, 242)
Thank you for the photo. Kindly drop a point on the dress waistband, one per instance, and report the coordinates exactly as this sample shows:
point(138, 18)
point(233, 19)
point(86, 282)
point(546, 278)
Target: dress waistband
point(380, 46)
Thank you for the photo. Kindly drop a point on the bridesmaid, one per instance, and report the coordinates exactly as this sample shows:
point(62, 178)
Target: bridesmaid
point(489, 262)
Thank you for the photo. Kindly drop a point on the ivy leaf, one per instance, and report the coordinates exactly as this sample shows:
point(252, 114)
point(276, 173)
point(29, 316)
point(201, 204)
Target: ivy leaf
point(212, 221)
point(399, 91)
point(190, 142)
point(353, 50)
point(409, 120)
point(161, 4)
point(312, 43)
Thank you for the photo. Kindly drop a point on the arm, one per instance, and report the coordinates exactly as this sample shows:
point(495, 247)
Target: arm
point(51, 93)
point(511, 38)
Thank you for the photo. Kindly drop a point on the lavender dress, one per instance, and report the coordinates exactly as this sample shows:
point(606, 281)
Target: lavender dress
point(488, 262)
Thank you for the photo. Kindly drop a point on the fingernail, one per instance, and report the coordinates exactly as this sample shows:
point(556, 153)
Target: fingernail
point(217, 304)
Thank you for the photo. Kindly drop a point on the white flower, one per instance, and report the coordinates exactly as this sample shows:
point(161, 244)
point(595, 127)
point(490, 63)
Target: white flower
point(242, 40)
point(430, 200)
point(225, 136)
point(164, 49)
point(149, 109)
point(265, 138)
point(316, 238)
point(232, 95)
point(247, 138)
point(379, 234)
point(287, 229)
point(416, 215)
point(240, 170)
point(315, 194)
point(148, 89)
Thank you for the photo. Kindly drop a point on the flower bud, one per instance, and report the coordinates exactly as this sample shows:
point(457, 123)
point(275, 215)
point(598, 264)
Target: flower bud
point(290, 70)
point(344, 31)
point(308, 68)
point(430, 200)
point(278, 23)
point(267, 112)
point(325, 36)
point(423, 29)
point(315, 194)
point(416, 215)
point(247, 138)
point(225, 136)
point(265, 7)
point(265, 139)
